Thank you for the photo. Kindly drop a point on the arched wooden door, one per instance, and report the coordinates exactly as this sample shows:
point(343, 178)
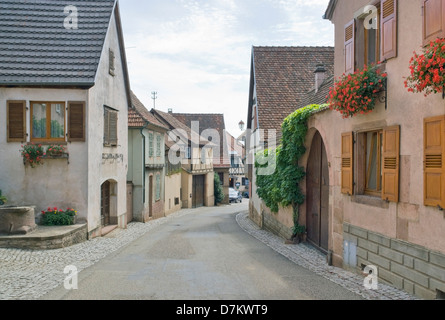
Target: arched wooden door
point(318, 195)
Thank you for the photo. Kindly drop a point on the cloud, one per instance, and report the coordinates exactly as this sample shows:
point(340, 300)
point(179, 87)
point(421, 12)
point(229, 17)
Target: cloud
point(196, 54)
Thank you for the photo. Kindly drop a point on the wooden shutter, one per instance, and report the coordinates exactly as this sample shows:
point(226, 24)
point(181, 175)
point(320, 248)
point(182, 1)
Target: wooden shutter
point(350, 47)
point(76, 121)
point(113, 128)
point(347, 163)
point(391, 164)
point(433, 25)
point(389, 29)
point(106, 127)
point(434, 168)
point(16, 121)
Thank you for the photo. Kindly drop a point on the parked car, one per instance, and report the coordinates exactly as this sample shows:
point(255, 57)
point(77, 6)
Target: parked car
point(235, 196)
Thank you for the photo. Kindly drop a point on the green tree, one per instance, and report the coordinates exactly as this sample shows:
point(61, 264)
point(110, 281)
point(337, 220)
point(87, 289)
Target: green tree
point(219, 193)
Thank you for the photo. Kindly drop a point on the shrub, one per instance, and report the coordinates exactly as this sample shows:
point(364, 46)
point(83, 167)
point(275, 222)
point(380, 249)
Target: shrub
point(56, 217)
point(219, 193)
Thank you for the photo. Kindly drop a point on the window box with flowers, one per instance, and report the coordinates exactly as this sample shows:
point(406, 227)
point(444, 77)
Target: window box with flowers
point(56, 217)
point(358, 93)
point(33, 154)
point(427, 70)
point(56, 151)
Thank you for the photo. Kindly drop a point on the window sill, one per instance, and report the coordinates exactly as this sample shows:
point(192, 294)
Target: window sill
point(370, 201)
point(48, 143)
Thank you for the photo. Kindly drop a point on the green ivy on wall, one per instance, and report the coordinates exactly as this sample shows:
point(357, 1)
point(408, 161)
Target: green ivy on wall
point(282, 188)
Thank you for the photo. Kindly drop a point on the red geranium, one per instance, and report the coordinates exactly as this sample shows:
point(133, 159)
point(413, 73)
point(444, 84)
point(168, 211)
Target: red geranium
point(357, 93)
point(427, 69)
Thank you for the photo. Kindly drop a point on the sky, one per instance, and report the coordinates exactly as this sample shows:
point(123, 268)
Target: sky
point(196, 54)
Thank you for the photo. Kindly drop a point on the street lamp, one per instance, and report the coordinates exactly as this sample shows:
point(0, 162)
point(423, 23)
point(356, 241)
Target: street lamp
point(241, 125)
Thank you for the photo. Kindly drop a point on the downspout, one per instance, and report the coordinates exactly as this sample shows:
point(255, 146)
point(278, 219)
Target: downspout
point(143, 161)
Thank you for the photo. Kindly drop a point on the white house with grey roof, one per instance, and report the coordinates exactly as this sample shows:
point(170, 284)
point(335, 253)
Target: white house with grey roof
point(64, 81)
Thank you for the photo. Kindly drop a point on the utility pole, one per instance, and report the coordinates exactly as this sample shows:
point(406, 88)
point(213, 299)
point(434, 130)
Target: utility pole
point(154, 96)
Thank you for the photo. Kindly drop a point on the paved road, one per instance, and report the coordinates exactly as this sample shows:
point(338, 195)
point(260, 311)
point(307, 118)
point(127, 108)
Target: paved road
point(200, 256)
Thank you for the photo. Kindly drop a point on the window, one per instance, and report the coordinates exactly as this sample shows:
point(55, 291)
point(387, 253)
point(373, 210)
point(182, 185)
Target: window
point(112, 68)
point(47, 121)
point(376, 171)
point(158, 187)
point(110, 127)
point(373, 162)
point(433, 25)
point(371, 36)
point(151, 152)
point(221, 177)
point(158, 146)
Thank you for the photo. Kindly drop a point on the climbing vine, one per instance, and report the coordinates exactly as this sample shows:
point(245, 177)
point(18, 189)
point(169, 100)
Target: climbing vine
point(282, 188)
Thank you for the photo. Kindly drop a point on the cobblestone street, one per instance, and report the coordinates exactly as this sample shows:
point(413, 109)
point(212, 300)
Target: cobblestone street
point(28, 275)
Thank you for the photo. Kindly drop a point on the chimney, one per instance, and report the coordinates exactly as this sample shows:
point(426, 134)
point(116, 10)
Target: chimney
point(320, 76)
point(170, 111)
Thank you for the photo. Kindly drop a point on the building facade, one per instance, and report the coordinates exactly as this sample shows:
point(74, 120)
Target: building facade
point(59, 96)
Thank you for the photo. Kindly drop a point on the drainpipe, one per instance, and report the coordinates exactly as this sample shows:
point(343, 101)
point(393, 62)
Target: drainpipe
point(143, 160)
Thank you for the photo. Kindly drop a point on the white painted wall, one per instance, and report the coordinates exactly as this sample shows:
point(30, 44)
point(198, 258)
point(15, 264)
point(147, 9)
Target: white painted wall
point(56, 183)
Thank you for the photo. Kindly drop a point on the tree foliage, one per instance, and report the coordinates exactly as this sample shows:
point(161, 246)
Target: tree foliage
point(282, 188)
point(219, 193)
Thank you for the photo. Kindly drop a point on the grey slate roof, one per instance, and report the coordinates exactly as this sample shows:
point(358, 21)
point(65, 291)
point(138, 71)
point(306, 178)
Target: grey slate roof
point(36, 49)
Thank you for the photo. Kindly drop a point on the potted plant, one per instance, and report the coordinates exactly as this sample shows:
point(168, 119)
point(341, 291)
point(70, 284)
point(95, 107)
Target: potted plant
point(427, 70)
point(3, 199)
point(357, 93)
point(33, 154)
point(55, 150)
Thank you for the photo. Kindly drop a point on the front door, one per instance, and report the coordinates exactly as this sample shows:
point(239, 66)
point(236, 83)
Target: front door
point(198, 191)
point(318, 195)
point(105, 203)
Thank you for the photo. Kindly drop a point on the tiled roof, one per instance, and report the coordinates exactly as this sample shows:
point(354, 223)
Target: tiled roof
point(36, 49)
point(283, 77)
point(139, 116)
point(174, 124)
point(206, 122)
point(319, 97)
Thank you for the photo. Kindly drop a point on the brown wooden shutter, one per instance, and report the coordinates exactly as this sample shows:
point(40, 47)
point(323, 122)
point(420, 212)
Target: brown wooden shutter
point(434, 167)
point(76, 121)
point(350, 47)
point(433, 20)
point(106, 127)
point(389, 29)
point(391, 164)
point(16, 121)
point(113, 128)
point(347, 163)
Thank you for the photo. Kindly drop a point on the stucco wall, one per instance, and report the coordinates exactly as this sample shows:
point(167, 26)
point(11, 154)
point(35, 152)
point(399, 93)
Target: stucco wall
point(172, 191)
point(108, 91)
point(409, 220)
point(55, 184)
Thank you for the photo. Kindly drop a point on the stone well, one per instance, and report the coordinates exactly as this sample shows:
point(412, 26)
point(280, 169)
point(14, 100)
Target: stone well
point(17, 220)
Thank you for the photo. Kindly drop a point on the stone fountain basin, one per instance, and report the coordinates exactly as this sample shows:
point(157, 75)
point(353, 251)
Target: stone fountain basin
point(17, 220)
